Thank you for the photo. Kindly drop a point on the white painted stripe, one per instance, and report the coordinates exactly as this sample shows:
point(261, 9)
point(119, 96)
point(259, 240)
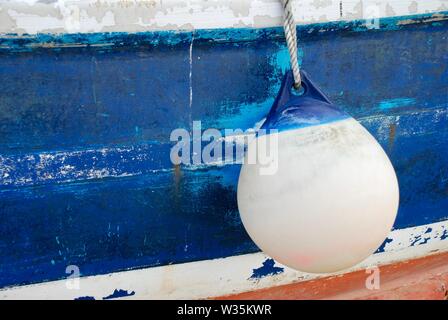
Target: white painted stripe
point(84, 16)
point(225, 276)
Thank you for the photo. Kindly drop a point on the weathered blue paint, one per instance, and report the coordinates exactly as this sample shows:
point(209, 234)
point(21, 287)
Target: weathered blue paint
point(119, 293)
point(444, 235)
point(397, 102)
point(31, 169)
point(418, 240)
point(14, 42)
point(267, 269)
point(85, 177)
point(383, 245)
point(294, 110)
point(85, 298)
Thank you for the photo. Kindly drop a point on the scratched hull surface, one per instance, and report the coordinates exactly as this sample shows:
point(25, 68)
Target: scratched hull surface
point(85, 175)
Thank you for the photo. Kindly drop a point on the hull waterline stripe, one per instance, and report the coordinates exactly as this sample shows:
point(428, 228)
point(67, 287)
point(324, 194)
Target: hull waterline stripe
point(219, 277)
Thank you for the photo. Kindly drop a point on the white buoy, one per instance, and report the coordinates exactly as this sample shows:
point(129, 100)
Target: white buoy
point(333, 197)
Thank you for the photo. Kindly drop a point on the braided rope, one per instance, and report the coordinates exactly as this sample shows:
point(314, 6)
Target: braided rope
point(289, 26)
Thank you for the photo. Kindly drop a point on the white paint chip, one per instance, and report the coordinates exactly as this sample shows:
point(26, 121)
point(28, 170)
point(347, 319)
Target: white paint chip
point(32, 16)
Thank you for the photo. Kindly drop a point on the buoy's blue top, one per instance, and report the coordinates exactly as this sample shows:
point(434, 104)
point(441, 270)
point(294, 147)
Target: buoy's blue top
point(294, 109)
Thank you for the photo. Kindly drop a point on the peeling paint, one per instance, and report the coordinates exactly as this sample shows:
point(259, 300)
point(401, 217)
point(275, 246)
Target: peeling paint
point(421, 235)
point(32, 16)
point(230, 272)
point(267, 269)
point(85, 298)
point(396, 102)
point(444, 235)
point(119, 293)
point(381, 248)
point(66, 176)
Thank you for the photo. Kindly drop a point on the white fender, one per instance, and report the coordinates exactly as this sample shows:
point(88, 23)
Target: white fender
point(331, 202)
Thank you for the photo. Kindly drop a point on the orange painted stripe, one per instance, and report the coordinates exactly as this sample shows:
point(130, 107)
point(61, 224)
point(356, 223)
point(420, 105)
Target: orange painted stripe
point(423, 278)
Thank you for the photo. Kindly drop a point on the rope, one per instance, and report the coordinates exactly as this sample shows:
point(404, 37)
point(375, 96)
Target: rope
point(289, 26)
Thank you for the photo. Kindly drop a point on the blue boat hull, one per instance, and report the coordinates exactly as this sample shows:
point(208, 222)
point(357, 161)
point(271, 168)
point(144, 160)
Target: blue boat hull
point(85, 121)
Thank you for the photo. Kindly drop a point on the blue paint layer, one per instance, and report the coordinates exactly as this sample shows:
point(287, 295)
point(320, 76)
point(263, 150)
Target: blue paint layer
point(444, 235)
point(292, 111)
point(396, 103)
point(14, 42)
point(85, 177)
point(383, 245)
point(268, 269)
point(119, 293)
point(85, 298)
